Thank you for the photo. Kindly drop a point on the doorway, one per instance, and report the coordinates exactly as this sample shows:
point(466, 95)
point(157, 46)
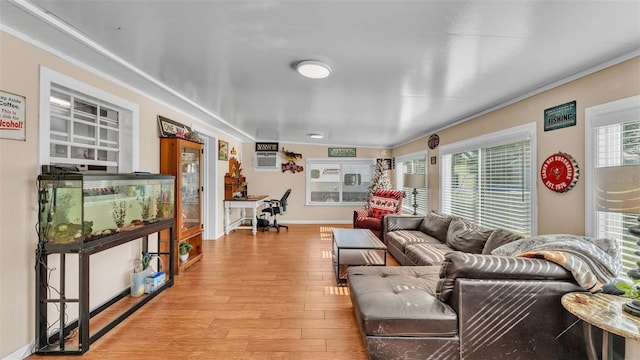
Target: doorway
point(209, 176)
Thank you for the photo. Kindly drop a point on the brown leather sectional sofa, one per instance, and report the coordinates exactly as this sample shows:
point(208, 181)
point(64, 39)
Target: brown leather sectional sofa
point(463, 305)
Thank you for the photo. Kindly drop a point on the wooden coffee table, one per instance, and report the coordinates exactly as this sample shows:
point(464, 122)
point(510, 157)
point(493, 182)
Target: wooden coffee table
point(356, 247)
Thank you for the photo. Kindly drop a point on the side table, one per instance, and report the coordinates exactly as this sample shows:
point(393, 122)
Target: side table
point(605, 312)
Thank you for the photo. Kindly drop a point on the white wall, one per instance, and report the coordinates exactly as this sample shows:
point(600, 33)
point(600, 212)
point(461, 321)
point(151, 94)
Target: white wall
point(19, 74)
point(557, 212)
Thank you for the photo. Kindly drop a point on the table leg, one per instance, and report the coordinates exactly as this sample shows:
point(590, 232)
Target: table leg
point(254, 220)
point(227, 215)
point(607, 345)
point(592, 354)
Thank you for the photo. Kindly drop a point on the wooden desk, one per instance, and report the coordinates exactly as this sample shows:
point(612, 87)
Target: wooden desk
point(249, 203)
point(605, 312)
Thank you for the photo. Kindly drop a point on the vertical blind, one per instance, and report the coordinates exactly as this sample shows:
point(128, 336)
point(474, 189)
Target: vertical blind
point(490, 186)
point(618, 145)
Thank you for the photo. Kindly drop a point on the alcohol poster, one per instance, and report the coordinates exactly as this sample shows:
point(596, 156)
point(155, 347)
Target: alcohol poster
point(12, 116)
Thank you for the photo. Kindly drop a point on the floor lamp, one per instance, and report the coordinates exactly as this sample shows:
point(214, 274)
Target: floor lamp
point(415, 181)
point(618, 190)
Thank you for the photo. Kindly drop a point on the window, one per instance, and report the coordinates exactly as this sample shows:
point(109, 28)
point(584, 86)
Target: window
point(85, 127)
point(412, 164)
point(613, 155)
point(333, 181)
point(489, 179)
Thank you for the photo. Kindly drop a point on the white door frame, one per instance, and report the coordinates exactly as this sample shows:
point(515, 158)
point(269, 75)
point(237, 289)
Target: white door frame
point(209, 181)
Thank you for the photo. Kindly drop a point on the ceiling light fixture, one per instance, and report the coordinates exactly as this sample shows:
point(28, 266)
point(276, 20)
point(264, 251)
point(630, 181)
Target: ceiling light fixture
point(313, 69)
point(316, 136)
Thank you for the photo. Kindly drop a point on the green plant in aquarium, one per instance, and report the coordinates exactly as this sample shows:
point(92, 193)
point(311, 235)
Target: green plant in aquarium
point(64, 201)
point(87, 228)
point(145, 205)
point(164, 205)
point(119, 213)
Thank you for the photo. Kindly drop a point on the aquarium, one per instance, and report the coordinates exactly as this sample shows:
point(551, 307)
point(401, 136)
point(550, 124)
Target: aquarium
point(75, 208)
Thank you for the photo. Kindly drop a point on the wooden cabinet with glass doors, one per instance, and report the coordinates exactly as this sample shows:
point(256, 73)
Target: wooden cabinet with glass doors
point(183, 159)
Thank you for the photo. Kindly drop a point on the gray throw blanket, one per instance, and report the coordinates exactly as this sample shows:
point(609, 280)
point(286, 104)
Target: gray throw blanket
point(592, 262)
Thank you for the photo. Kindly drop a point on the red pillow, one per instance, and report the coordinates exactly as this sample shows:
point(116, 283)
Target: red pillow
point(384, 202)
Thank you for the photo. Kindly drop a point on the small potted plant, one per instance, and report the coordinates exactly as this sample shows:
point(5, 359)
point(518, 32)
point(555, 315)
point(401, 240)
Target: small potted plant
point(183, 250)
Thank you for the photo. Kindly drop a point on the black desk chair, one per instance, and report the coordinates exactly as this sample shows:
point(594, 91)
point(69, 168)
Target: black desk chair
point(274, 208)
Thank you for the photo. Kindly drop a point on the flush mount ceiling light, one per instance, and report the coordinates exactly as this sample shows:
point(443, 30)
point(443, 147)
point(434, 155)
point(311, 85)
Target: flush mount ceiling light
point(313, 69)
point(316, 136)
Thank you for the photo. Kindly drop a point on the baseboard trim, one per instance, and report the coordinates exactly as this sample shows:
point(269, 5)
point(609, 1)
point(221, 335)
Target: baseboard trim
point(220, 234)
point(21, 353)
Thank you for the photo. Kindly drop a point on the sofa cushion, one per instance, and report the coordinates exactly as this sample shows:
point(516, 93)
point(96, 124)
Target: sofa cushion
point(384, 202)
point(475, 266)
point(498, 238)
point(400, 301)
point(436, 225)
point(403, 238)
point(466, 236)
point(427, 254)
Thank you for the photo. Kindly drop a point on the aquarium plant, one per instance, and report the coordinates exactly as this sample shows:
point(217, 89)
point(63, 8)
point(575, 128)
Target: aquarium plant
point(119, 213)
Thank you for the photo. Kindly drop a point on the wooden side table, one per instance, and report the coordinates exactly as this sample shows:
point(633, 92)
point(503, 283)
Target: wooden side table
point(605, 312)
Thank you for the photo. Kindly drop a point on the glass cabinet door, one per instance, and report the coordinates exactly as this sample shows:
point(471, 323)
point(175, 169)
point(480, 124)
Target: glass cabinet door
point(190, 163)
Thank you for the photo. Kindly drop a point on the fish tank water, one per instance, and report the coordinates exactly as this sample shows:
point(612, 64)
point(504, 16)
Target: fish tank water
point(75, 208)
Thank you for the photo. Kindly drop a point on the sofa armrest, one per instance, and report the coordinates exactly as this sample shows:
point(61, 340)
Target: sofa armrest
point(475, 266)
point(402, 222)
point(392, 222)
point(360, 214)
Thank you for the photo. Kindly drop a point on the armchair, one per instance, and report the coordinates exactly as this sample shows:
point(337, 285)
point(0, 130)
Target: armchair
point(382, 202)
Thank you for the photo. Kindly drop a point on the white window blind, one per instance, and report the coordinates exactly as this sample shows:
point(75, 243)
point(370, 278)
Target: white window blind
point(618, 145)
point(505, 190)
point(491, 185)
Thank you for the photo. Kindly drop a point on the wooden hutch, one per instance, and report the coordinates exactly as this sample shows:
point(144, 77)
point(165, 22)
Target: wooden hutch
point(183, 159)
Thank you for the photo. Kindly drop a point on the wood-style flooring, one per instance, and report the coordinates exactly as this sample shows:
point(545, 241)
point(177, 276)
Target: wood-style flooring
point(269, 296)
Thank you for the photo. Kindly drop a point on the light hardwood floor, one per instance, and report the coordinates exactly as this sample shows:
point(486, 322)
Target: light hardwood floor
point(269, 296)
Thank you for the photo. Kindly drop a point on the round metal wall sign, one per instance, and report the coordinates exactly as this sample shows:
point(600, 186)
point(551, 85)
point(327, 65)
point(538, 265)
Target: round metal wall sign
point(559, 172)
point(434, 141)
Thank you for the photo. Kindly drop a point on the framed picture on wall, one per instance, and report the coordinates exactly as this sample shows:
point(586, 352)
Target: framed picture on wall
point(223, 150)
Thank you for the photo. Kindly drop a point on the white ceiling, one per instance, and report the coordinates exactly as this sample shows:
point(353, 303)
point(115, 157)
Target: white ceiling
point(401, 69)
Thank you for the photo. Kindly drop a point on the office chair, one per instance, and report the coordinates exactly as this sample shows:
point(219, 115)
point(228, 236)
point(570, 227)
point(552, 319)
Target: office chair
point(277, 207)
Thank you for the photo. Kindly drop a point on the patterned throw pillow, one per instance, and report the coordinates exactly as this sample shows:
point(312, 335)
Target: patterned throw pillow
point(384, 202)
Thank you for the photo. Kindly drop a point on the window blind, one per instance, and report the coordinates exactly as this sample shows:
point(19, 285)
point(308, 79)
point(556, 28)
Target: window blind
point(618, 144)
point(490, 186)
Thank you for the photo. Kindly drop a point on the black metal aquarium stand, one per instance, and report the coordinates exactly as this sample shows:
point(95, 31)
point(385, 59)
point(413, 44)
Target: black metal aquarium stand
point(55, 343)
